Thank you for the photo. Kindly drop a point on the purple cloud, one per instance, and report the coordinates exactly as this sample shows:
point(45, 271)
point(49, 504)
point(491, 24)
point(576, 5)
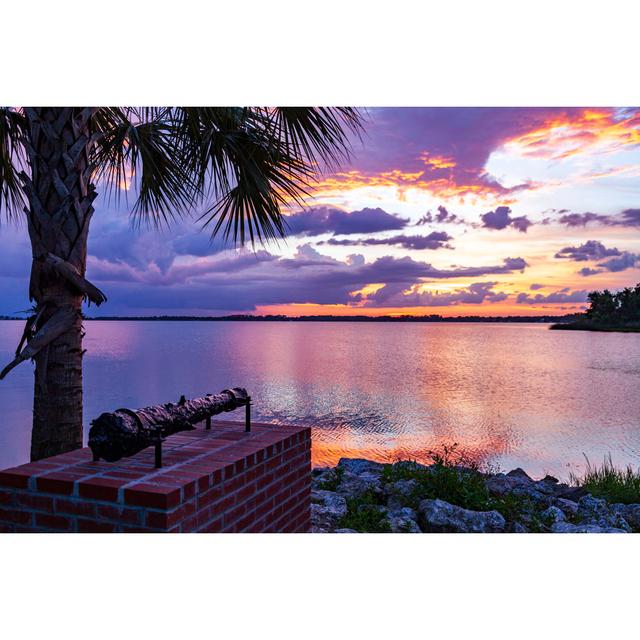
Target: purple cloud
point(318, 220)
point(501, 219)
point(626, 218)
point(434, 240)
point(590, 250)
point(394, 296)
point(442, 216)
point(558, 296)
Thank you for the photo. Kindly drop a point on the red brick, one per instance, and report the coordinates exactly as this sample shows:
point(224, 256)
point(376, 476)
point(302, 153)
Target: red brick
point(95, 526)
point(75, 507)
point(168, 519)
point(215, 526)
point(148, 495)
point(7, 498)
point(206, 498)
point(101, 488)
point(55, 484)
point(35, 502)
point(12, 515)
point(14, 478)
point(47, 521)
point(120, 514)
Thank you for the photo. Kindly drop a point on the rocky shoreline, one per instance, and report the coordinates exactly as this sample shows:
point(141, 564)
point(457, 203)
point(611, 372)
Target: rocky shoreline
point(360, 496)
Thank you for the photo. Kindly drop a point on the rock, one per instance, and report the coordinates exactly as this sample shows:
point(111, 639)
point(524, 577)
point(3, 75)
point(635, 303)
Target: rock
point(553, 514)
point(569, 507)
point(400, 492)
point(501, 484)
point(315, 529)
point(410, 465)
point(573, 493)
point(630, 512)
point(596, 511)
point(519, 473)
point(356, 485)
point(327, 508)
point(345, 531)
point(360, 465)
point(519, 528)
point(322, 477)
point(550, 479)
point(567, 527)
point(440, 516)
point(403, 521)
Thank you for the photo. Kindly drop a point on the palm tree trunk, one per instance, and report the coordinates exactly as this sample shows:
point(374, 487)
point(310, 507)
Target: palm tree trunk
point(60, 207)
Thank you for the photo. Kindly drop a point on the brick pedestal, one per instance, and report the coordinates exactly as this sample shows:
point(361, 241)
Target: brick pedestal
point(221, 480)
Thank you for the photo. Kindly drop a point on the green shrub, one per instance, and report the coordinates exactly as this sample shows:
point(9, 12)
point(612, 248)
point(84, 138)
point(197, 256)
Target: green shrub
point(614, 485)
point(364, 516)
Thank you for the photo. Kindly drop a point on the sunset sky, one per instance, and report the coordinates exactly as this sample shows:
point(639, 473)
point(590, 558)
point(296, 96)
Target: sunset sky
point(455, 211)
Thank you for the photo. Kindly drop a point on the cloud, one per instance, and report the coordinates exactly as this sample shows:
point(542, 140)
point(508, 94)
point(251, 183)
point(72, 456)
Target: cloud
point(318, 220)
point(434, 240)
point(442, 216)
point(556, 297)
point(396, 296)
point(501, 219)
point(535, 287)
point(240, 280)
point(590, 250)
point(626, 260)
point(626, 218)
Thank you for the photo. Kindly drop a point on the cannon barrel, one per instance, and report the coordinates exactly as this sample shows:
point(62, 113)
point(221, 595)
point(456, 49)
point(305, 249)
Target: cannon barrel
point(124, 432)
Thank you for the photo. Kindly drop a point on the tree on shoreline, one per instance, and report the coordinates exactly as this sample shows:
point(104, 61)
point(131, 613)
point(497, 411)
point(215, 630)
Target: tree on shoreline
point(615, 309)
point(240, 166)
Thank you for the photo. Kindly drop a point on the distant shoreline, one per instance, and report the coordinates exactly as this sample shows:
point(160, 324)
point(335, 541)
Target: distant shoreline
point(329, 318)
point(583, 326)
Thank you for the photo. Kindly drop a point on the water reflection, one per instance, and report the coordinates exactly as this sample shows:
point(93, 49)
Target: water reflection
point(508, 394)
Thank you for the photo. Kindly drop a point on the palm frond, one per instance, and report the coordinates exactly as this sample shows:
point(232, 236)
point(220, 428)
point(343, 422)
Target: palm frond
point(319, 134)
point(12, 161)
point(256, 161)
point(244, 164)
point(141, 148)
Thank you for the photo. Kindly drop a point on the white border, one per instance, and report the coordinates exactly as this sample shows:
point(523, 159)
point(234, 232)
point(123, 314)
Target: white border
point(336, 52)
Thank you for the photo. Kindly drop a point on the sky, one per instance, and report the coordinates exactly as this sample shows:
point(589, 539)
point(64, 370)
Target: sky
point(450, 211)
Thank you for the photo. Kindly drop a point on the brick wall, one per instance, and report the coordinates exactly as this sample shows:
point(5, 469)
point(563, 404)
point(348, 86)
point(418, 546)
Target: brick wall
point(221, 480)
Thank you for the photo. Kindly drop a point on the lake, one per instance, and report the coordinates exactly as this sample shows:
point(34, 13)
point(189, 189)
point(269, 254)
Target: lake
point(509, 394)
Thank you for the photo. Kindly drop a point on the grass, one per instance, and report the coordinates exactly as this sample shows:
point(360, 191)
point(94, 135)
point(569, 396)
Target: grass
point(444, 480)
point(465, 487)
point(364, 516)
point(605, 481)
point(333, 482)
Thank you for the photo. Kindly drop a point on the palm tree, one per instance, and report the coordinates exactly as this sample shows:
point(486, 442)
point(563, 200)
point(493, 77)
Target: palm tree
point(238, 166)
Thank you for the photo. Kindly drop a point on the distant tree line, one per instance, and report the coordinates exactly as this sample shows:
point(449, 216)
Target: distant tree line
point(619, 311)
point(621, 308)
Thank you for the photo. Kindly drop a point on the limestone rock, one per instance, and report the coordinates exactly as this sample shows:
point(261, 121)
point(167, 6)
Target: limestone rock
point(567, 527)
point(440, 516)
point(403, 520)
point(400, 492)
point(360, 465)
point(327, 508)
point(553, 514)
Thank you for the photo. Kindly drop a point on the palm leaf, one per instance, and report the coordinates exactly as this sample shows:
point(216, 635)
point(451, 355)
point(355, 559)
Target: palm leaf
point(12, 161)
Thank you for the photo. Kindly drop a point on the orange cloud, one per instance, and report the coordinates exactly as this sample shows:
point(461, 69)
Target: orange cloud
point(565, 136)
point(403, 180)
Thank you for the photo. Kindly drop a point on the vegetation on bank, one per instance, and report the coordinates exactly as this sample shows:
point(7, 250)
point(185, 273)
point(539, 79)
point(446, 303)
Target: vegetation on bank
point(609, 311)
point(614, 485)
point(589, 501)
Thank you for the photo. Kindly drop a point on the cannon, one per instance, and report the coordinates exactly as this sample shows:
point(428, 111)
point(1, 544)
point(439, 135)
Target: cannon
point(125, 432)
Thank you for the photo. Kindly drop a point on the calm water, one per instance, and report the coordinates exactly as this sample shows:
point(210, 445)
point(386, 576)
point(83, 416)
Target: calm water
point(510, 394)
